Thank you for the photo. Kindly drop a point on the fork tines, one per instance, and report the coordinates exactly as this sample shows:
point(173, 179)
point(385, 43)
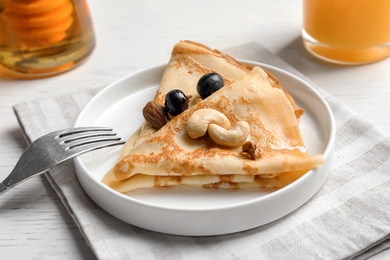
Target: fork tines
point(94, 137)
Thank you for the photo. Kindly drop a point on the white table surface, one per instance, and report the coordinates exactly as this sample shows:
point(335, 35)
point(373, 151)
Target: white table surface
point(132, 35)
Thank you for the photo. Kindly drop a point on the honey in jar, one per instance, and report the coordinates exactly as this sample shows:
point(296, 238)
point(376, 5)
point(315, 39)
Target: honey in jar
point(41, 38)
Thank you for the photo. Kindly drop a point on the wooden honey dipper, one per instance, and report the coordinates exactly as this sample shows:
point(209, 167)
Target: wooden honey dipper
point(38, 23)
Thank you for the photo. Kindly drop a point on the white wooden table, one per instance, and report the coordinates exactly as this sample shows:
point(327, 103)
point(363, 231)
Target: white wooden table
point(132, 35)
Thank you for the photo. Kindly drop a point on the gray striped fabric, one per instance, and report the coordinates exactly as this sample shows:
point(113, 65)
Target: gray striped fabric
point(349, 217)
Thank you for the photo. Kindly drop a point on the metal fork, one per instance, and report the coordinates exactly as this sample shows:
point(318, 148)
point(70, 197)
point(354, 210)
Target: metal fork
point(54, 148)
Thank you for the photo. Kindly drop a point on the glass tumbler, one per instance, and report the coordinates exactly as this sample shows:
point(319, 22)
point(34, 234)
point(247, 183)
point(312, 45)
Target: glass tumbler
point(347, 31)
point(41, 38)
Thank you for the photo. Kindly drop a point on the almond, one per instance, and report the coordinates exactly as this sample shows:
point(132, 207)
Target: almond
point(154, 113)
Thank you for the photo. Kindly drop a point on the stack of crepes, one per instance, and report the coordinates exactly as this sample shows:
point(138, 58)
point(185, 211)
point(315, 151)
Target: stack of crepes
point(273, 155)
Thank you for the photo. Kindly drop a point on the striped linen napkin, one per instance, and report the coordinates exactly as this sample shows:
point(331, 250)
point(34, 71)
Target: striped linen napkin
point(349, 217)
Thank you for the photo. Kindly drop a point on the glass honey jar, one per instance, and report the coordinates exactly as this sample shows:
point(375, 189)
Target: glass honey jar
point(42, 38)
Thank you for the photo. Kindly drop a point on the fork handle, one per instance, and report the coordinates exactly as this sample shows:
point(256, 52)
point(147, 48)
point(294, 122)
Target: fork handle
point(5, 185)
point(12, 179)
point(16, 176)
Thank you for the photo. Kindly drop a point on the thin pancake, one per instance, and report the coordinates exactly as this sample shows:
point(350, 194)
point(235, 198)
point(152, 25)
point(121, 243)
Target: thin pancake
point(273, 128)
point(189, 62)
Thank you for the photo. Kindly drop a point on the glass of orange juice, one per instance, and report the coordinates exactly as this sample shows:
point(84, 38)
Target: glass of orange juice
point(347, 31)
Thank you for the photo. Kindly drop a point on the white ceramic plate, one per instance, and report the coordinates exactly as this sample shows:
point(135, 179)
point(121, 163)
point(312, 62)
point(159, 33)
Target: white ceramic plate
point(196, 211)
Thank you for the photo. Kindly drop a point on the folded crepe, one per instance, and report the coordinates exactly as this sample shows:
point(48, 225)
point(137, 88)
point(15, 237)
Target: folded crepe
point(170, 156)
point(189, 62)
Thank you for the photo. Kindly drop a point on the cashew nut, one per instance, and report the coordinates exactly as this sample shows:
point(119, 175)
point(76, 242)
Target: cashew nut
point(234, 137)
point(217, 125)
point(198, 122)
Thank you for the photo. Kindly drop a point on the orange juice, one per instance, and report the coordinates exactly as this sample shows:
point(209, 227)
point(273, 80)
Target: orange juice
point(347, 31)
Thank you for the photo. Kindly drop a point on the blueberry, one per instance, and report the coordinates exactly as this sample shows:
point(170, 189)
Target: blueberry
point(208, 84)
point(175, 102)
